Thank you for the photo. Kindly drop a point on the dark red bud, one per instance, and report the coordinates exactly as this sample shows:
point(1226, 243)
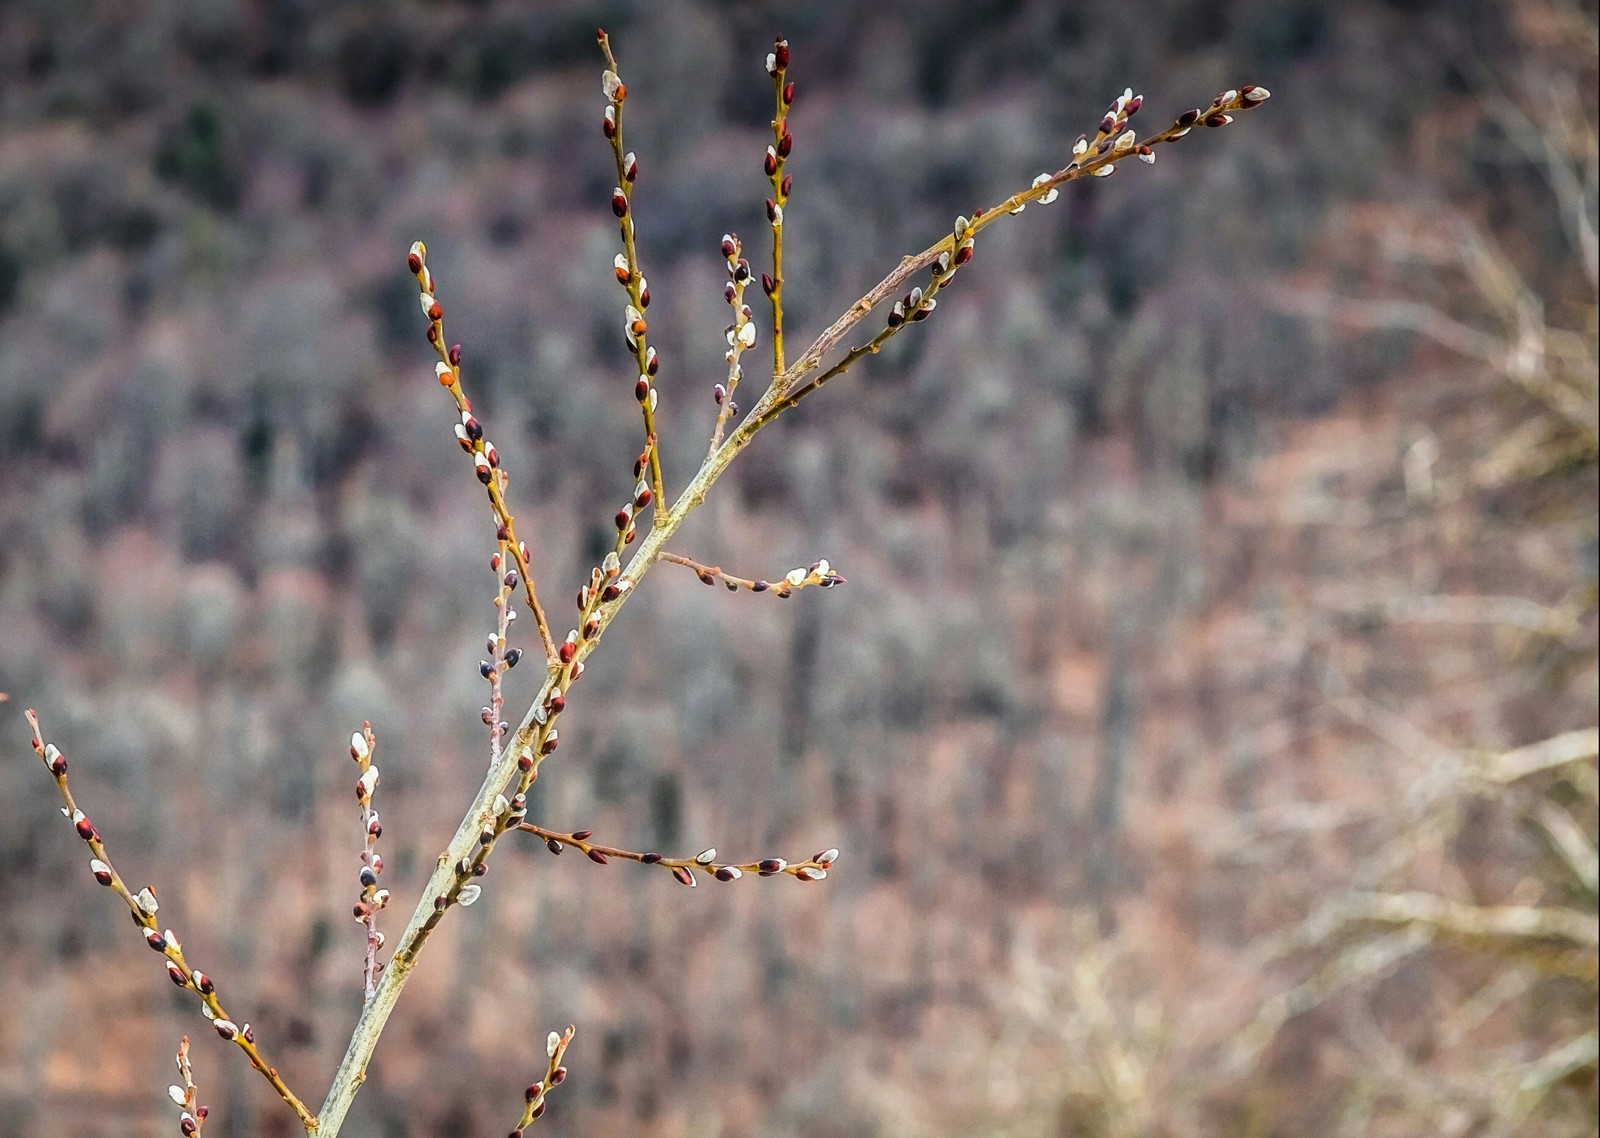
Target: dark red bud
point(770, 163)
point(455, 355)
point(788, 93)
point(1188, 118)
point(785, 144)
point(683, 874)
point(772, 210)
point(729, 248)
point(781, 52)
point(768, 285)
point(86, 830)
point(598, 858)
point(619, 204)
point(784, 186)
point(963, 255)
point(650, 858)
point(644, 297)
point(414, 263)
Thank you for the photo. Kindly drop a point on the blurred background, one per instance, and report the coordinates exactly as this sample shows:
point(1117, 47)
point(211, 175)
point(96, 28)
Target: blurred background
point(1209, 720)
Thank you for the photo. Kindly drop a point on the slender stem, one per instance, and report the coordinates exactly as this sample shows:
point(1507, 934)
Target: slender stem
point(638, 291)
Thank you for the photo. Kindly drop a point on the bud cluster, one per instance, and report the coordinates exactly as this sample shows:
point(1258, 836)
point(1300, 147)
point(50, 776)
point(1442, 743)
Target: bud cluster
point(683, 869)
point(555, 1047)
point(191, 1116)
point(741, 334)
point(372, 900)
point(501, 656)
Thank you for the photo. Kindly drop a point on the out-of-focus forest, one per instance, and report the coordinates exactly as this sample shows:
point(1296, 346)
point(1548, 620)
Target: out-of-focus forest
point(1209, 720)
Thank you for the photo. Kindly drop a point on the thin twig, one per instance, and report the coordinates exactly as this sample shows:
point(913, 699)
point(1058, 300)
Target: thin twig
point(143, 906)
point(469, 432)
point(814, 868)
point(818, 573)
